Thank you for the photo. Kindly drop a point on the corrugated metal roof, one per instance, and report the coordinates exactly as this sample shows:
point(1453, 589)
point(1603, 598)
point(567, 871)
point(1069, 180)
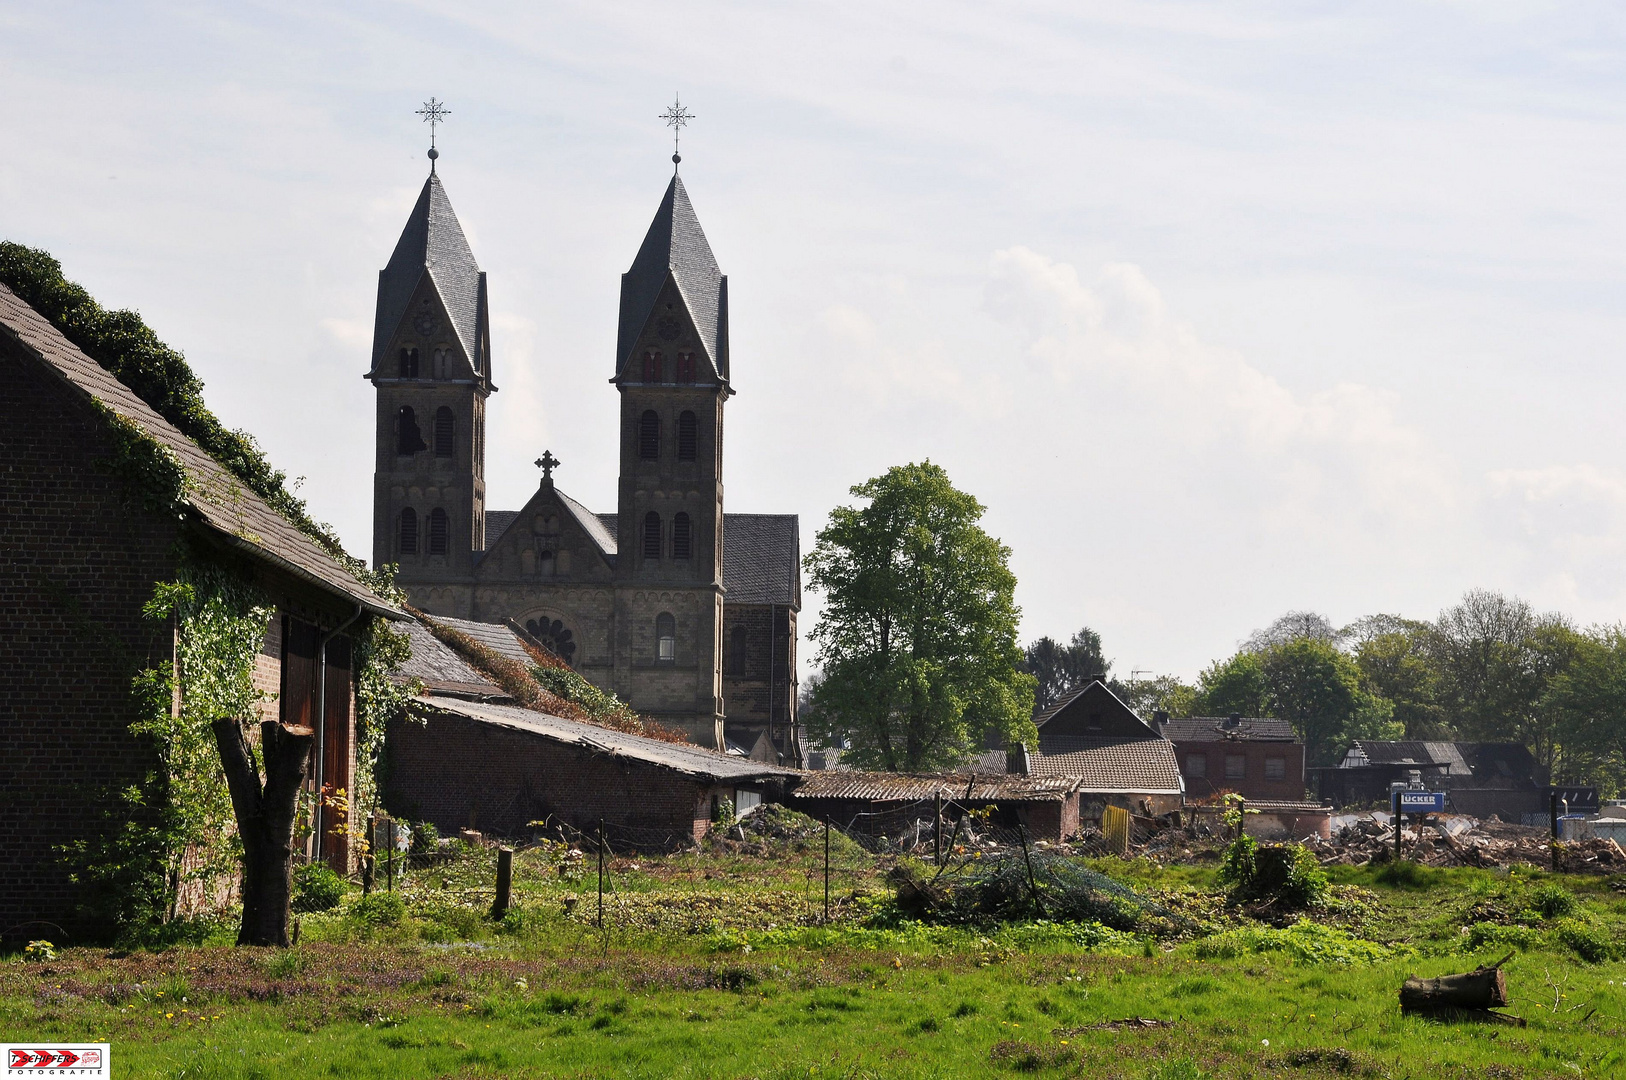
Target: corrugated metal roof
point(897, 787)
point(219, 499)
point(680, 757)
point(1139, 767)
point(1215, 729)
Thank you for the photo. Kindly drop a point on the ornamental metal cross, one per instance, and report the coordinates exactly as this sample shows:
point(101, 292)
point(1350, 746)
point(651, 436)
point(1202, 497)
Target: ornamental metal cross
point(676, 117)
point(547, 463)
point(433, 112)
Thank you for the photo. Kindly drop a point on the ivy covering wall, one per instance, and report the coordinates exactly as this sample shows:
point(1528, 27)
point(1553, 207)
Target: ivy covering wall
point(168, 841)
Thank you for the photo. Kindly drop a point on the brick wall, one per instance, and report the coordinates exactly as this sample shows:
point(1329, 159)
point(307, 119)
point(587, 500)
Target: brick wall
point(461, 773)
point(1253, 783)
point(77, 562)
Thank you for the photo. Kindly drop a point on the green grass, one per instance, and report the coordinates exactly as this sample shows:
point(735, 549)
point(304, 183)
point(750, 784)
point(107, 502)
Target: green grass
point(714, 966)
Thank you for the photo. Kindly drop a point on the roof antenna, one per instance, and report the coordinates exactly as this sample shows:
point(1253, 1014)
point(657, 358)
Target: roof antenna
point(433, 112)
point(676, 116)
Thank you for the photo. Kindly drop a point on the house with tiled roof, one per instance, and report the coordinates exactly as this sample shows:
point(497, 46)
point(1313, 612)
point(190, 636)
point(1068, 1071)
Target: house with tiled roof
point(83, 544)
point(1094, 738)
point(687, 613)
point(1257, 757)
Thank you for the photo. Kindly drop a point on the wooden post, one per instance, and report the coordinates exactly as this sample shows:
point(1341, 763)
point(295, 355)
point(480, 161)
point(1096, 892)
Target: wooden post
point(827, 868)
point(1241, 818)
point(601, 873)
point(1395, 798)
point(389, 864)
point(937, 829)
point(505, 881)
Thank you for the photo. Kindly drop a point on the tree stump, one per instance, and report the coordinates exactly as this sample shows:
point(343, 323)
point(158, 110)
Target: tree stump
point(1468, 996)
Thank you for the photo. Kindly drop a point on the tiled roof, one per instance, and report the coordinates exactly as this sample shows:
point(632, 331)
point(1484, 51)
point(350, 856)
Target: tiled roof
point(1216, 729)
point(432, 242)
point(675, 245)
point(217, 497)
point(762, 558)
point(1138, 767)
point(1267, 806)
point(497, 522)
point(498, 638)
point(895, 787)
point(440, 669)
point(680, 757)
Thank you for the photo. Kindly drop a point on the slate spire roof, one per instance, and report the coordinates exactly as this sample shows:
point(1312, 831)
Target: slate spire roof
point(432, 243)
point(676, 247)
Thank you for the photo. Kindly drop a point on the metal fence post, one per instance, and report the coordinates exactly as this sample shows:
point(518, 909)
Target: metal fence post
point(1397, 825)
point(601, 873)
point(937, 829)
point(1552, 811)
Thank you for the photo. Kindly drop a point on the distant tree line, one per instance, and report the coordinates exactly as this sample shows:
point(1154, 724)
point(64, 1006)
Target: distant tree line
point(1488, 669)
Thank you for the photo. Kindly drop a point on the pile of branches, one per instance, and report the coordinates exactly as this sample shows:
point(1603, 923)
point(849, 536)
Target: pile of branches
point(1019, 887)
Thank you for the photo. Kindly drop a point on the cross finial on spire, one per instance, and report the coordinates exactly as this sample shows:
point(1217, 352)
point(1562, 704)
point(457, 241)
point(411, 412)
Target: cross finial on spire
point(547, 463)
point(676, 117)
point(433, 112)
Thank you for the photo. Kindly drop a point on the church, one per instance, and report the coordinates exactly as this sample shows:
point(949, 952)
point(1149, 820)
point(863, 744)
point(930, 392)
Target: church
point(685, 612)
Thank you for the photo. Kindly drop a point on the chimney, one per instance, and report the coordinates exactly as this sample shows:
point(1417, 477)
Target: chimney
point(1160, 719)
point(1017, 760)
point(1099, 677)
point(1233, 721)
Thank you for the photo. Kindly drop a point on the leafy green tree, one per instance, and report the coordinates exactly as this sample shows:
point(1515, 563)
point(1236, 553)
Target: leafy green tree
point(1060, 669)
point(1161, 693)
point(1396, 661)
point(1234, 687)
point(1588, 700)
point(1318, 689)
point(917, 640)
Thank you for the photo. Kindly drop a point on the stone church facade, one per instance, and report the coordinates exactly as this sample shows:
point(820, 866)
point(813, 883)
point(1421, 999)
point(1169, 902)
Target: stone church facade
point(687, 613)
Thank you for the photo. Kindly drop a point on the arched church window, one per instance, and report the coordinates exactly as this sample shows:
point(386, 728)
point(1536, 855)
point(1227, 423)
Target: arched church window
point(408, 439)
point(443, 363)
point(652, 535)
point(649, 436)
point(409, 531)
point(680, 537)
point(444, 426)
point(544, 563)
point(653, 362)
point(439, 528)
point(555, 635)
point(736, 652)
point(665, 637)
point(685, 367)
point(688, 436)
point(409, 363)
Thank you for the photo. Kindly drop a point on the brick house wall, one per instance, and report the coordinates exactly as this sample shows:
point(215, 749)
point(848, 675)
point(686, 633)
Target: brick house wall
point(1254, 782)
point(456, 772)
point(78, 559)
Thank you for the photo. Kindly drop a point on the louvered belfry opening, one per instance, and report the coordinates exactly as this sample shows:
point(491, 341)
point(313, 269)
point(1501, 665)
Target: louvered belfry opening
point(444, 427)
point(408, 363)
point(439, 529)
point(649, 436)
point(680, 536)
point(685, 367)
point(688, 436)
point(652, 535)
point(409, 531)
point(653, 362)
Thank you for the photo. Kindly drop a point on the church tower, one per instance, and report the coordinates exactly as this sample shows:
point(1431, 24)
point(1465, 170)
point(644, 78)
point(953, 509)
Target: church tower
point(432, 371)
point(672, 373)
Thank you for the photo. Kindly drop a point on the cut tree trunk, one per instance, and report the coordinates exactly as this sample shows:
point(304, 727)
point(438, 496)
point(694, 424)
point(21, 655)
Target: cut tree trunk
point(265, 820)
point(1477, 990)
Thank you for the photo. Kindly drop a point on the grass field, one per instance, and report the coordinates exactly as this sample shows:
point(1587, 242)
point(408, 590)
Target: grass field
point(713, 966)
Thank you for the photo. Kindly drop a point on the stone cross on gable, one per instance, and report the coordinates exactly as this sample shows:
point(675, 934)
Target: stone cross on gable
point(547, 463)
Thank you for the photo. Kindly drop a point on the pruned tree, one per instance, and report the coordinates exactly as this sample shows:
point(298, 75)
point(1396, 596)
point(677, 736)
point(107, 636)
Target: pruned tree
point(265, 819)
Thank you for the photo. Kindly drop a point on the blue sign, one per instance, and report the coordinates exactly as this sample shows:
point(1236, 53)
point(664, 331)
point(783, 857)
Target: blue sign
point(1422, 802)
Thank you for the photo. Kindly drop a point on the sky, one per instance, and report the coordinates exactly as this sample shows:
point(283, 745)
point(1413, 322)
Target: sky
point(1220, 310)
